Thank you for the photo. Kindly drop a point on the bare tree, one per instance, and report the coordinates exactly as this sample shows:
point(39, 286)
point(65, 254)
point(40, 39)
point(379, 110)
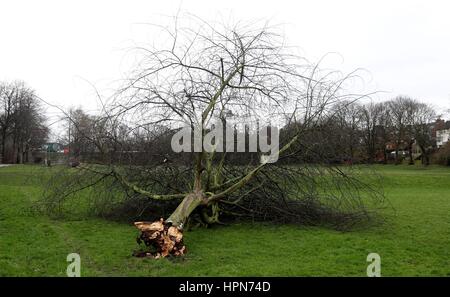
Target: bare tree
point(384, 130)
point(422, 116)
point(7, 100)
point(79, 128)
point(373, 125)
point(21, 121)
point(347, 121)
point(235, 75)
point(400, 109)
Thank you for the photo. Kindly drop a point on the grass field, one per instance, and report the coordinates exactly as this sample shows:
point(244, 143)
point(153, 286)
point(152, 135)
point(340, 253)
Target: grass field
point(414, 240)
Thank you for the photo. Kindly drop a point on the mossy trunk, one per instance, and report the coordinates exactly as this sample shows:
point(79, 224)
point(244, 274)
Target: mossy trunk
point(186, 207)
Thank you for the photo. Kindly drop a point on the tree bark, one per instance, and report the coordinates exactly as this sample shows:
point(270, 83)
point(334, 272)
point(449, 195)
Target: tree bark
point(425, 156)
point(411, 161)
point(186, 207)
point(3, 146)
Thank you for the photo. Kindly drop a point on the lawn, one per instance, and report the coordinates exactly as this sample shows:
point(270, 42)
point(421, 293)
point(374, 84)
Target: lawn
point(414, 240)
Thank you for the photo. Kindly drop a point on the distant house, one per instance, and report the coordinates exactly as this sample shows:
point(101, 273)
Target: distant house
point(442, 137)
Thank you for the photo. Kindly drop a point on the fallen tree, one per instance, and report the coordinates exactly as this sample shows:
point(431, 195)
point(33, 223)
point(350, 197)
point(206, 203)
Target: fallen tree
point(239, 77)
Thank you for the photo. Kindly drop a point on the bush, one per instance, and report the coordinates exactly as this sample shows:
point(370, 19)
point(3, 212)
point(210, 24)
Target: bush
point(442, 156)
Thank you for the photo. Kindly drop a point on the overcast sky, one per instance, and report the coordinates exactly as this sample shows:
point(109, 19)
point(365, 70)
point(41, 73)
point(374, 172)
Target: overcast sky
point(61, 47)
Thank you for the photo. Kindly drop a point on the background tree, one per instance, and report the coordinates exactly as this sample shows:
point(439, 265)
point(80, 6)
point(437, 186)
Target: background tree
point(22, 122)
point(400, 110)
point(373, 125)
point(7, 101)
point(422, 116)
point(347, 121)
point(80, 129)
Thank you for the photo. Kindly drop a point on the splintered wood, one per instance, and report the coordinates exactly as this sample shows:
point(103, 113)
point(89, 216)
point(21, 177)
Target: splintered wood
point(161, 239)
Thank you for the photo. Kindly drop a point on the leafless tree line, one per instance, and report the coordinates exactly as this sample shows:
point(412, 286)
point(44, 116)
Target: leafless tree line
point(22, 122)
point(351, 132)
point(369, 132)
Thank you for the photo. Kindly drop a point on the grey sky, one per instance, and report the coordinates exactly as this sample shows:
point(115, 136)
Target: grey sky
point(57, 46)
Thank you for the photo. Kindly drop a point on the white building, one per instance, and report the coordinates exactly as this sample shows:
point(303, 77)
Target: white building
point(442, 137)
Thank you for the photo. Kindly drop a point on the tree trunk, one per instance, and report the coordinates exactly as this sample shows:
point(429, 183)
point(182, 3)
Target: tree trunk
point(3, 145)
point(26, 157)
point(161, 239)
point(425, 156)
point(19, 154)
point(396, 155)
point(411, 161)
point(186, 207)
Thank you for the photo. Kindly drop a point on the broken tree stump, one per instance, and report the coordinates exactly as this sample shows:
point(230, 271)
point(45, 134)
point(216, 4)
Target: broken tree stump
point(161, 239)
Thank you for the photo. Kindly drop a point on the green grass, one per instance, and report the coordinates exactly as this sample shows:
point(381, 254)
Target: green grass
point(414, 240)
